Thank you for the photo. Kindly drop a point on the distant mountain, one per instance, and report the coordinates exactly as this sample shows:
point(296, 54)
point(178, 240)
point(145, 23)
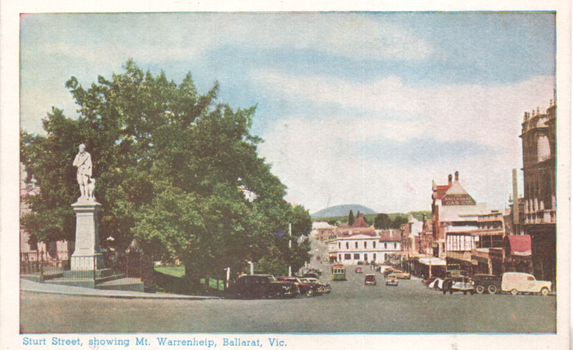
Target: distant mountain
point(342, 210)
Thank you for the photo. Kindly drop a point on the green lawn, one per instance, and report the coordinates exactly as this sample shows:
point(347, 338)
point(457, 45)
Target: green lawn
point(171, 270)
point(179, 271)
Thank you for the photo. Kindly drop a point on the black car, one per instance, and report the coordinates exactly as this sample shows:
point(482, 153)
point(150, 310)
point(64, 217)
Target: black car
point(262, 286)
point(458, 283)
point(489, 283)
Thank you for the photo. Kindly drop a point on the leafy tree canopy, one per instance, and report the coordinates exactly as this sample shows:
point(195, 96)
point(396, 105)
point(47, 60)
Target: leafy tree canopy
point(173, 168)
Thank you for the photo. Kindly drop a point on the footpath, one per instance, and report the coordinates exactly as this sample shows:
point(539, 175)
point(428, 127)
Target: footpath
point(35, 287)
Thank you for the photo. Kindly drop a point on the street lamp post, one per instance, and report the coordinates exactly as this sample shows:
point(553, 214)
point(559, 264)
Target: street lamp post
point(289, 246)
point(252, 267)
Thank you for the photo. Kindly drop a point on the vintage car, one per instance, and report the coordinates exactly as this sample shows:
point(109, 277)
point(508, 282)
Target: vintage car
point(436, 283)
point(262, 286)
point(358, 270)
point(305, 286)
point(460, 284)
point(388, 271)
point(487, 283)
point(392, 280)
point(520, 282)
point(370, 279)
point(402, 275)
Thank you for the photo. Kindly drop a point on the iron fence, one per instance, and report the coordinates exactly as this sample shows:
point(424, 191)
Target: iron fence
point(42, 266)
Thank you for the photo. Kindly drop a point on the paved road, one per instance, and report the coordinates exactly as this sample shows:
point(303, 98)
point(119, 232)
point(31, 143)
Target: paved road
point(351, 307)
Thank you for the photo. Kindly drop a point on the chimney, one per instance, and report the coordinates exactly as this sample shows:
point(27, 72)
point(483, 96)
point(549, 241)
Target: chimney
point(450, 179)
point(457, 175)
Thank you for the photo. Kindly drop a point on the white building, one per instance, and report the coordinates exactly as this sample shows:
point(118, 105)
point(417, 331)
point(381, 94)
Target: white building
point(363, 243)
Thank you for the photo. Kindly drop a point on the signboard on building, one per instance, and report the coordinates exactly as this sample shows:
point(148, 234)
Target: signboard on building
point(458, 199)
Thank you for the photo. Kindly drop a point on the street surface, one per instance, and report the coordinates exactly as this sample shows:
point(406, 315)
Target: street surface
point(351, 307)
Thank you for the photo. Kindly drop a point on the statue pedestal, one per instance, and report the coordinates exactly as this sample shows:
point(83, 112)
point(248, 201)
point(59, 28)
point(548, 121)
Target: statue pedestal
point(87, 255)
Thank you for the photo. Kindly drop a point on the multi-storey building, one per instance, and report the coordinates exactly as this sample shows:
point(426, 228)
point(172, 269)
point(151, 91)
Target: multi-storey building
point(361, 242)
point(322, 230)
point(539, 152)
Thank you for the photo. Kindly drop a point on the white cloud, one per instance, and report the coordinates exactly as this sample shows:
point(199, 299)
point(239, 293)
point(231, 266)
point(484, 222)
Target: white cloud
point(482, 114)
point(317, 158)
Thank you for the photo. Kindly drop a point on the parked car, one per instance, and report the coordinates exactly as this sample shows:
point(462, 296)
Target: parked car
point(392, 280)
point(461, 284)
point(487, 283)
point(312, 286)
point(437, 283)
point(388, 271)
point(370, 279)
point(262, 286)
point(358, 270)
point(305, 287)
point(429, 281)
point(520, 282)
point(402, 275)
point(322, 288)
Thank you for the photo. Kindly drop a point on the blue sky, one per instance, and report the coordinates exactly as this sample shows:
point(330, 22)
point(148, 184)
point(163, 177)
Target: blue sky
point(354, 107)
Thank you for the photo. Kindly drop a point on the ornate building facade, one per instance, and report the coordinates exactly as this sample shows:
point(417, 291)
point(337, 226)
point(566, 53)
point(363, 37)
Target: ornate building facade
point(539, 153)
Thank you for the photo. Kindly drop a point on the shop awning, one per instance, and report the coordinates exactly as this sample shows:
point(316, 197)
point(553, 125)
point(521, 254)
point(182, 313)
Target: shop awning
point(432, 261)
point(520, 245)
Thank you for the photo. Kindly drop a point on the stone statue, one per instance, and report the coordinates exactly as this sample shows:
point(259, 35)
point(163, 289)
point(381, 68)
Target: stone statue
point(83, 162)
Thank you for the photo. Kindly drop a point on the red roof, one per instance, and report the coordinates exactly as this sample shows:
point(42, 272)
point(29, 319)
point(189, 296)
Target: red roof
point(520, 244)
point(390, 237)
point(359, 222)
point(368, 231)
point(441, 191)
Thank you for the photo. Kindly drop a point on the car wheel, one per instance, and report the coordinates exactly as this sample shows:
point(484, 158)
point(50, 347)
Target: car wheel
point(444, 291)
point(480, 289)
point(491, 289)
point(451, 291)
point(544, 291)
point(309, 293)
point(465, 293)
point(514, 291)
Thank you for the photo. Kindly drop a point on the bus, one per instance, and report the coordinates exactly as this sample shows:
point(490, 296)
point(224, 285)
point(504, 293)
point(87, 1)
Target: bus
point(338, 272)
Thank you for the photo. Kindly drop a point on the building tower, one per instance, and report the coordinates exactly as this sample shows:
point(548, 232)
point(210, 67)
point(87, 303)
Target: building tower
point(538, 146)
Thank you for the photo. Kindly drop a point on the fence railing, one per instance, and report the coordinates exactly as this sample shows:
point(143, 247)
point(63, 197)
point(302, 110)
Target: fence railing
point(131, 265)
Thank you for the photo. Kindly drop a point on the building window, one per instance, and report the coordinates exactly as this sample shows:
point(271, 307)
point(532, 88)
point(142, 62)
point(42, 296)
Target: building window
point(356, 245)
point(338, 245)
point(346, 245)
point(374, 244)
point(365, 257)
point(374, 256)
point(364, 244)
point(385, 246)
point(395, 245)
point(339, 257)
point(347, 257)
point(356, 256)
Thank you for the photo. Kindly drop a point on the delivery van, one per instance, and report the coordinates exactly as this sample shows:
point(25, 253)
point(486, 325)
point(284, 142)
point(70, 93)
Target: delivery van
point(520, 282)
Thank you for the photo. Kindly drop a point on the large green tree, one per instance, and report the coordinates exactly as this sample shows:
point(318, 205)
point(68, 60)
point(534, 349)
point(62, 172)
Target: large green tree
point(175, 171)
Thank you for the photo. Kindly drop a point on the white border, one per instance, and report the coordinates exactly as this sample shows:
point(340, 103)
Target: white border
point(9, 158)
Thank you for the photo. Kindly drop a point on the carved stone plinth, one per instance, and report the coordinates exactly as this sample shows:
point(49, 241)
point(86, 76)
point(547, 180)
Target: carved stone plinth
point(87, 255)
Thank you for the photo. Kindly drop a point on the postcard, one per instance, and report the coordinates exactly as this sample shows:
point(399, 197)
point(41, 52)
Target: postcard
point(298, 176)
